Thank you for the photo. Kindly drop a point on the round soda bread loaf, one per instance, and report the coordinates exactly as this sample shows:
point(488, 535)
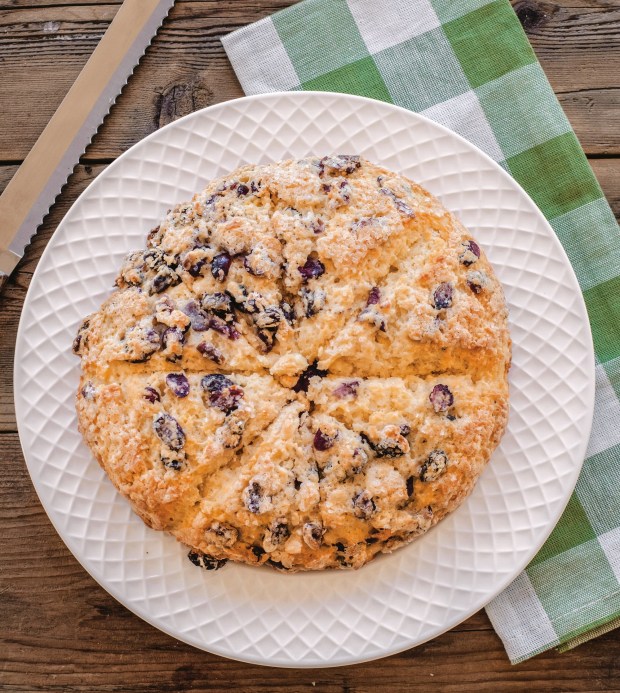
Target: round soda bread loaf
point(305, 367)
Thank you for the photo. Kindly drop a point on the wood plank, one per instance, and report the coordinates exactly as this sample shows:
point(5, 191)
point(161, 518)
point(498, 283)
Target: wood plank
point(46, 4)
point(43, 51)
point(578, 47)
point(608, 173)
point(186, 68)
point(588, 110)
point(11, 302)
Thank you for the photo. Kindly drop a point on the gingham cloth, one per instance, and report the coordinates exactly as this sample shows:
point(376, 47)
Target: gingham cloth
point(468, 65)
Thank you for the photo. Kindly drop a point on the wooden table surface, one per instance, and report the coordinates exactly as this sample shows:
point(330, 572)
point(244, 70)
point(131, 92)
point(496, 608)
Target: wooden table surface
point(59, 630)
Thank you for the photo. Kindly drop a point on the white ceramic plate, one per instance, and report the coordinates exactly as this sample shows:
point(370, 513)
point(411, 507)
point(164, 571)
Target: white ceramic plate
point(399, 600)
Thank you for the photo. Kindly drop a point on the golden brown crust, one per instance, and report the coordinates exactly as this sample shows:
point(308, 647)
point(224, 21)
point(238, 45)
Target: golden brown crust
point(307, 366)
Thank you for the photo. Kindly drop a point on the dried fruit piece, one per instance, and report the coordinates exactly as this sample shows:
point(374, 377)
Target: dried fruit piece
point(470, 254)
point(399, 203)
point(253, 497)
point(267, 319)
point(195, 261)
point(311, 269)
point(442, 296)
point(258, 551)
point(361, 460)
point(88, 391)
point(277, 533)
point(312, 301)
point(374, 317)
point(199, 319)
point(142, 342)
point(80, 339)
point(363, 505)
point(434, 466)
point(151, 395)
point(318, 225)
point(223, 393)
point(168, 430)
point(153, 237)
point(220, 266)
point(219, 303)
point(391, 442)
point(287, 311)
point(268, 338)
point(221, 534)
point(164, 278)
point(339, 164)
point(247, 302)
point(209, 203)
point(230, 432)
point(276, 564)
point(230, 331)
point(409, 483)
point(304, 379)
point(374, 296)
point(211, 352)
point(202, 560)
point(198, 267)
point(172, 335)
point(347, 389)
point(312, 534)
point(322, 441)
point(175, 463)
point(172, 341)
point(476, 281)
point(441, 398)
point(178, 384)
point(363, 223)
point(344, 191)
point(388, 447)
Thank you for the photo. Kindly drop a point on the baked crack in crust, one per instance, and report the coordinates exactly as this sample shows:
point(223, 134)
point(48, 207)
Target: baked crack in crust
point(305, 367)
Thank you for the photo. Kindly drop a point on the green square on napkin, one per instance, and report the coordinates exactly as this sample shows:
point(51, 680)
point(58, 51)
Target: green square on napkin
point(469, 66)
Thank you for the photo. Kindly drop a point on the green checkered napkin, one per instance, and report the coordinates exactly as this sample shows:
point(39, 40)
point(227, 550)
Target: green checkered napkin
point(468, 65)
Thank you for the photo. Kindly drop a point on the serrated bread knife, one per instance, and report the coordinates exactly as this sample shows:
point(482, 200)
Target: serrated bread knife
point(34, 187)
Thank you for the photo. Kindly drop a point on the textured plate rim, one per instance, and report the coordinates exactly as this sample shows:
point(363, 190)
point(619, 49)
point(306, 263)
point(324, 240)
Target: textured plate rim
point(588, 396)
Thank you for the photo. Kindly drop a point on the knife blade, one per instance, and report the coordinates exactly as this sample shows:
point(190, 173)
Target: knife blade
point(38, 181)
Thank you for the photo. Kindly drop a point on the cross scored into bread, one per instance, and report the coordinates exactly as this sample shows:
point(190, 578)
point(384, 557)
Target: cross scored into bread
point(305, 367)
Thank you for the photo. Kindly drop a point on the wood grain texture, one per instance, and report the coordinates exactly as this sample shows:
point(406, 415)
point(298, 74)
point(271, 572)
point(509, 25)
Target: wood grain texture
point(60, 630)
point(44, 48)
